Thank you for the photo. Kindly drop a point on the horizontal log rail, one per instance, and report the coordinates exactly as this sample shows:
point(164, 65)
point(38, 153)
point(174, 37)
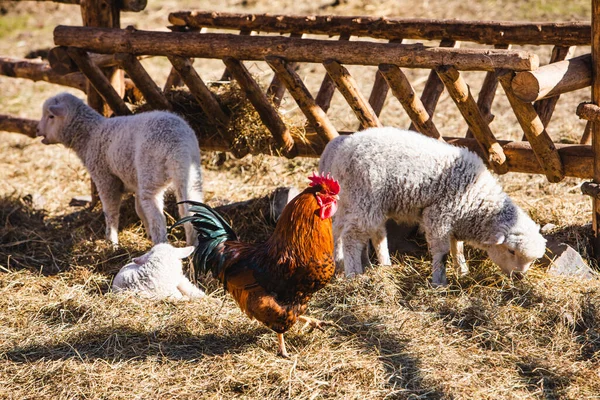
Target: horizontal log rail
point(40, 71)
point(254, 48)
point(484, 32)
point(554, 79)
point(124, 5)
point(576, 158)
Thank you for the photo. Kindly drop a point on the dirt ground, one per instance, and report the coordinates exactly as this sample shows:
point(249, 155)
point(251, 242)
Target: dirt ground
point(63, 335)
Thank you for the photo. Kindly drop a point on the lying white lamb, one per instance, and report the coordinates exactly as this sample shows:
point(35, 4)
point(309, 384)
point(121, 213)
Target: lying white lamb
point(158, 274)
point(391, 173)
point(143, 153)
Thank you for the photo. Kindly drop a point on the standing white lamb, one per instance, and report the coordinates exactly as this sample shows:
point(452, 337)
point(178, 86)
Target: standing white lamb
point(158, 274)
point(391, 173)
point(144, 153)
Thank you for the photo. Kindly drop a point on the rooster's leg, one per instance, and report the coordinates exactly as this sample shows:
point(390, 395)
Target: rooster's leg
point(282, 351)
point(313, 322)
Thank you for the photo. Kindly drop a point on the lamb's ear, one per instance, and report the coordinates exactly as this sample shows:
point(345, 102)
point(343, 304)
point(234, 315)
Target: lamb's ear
point(141, 260)
point(59, 110)
point(495, 239)
point(184, 252)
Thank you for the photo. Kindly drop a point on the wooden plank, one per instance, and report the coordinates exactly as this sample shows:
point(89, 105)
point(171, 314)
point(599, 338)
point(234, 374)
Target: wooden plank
point(380, 89)
point(216, 45)
point(404, 92)
point(536, 134)
point(554, 79)
point(276, 89)
point(327, 88)
point(152, 93)
point(486, 32)
point(259, 100)
point(348, 87)
point(461, 94)
point(434, 87)
point(293, 83)
point(25, 126)
point(487, 93)
point(99, 81)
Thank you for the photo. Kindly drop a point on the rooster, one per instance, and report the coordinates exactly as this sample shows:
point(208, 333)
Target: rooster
point(273, 281)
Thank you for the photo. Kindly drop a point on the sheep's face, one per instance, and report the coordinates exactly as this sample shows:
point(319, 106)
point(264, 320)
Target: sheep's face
point(50, 126)
point(517, 250)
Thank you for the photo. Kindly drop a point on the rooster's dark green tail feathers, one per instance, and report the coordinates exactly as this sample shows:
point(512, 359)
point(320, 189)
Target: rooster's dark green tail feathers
point(212, 230)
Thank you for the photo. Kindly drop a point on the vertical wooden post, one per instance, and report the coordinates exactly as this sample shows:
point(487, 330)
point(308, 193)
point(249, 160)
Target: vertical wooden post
point(595, 125)
point(102, 13)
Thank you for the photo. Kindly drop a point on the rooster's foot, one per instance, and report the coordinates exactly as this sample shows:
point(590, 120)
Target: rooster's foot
point(314, 323)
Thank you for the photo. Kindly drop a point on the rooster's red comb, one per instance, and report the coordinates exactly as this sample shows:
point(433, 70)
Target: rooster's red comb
point(327, 181)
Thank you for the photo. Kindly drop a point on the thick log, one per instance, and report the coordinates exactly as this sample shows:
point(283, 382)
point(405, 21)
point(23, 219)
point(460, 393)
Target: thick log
point(124, 5)
point(434, 87)
point(589, 112)
point(591, 189)
point(554, 79)
point(276, 89)
point(40, 71)
point(226, 76)
point(380, 89)
point(595, 125)
point(215, 45)
point(404, 92)
point(545, 107)
point(461, 94)
point(99, 81)
point(152, 93)
point(18, 125)
point(327, 88)
point(487, 93)
point(586, 138)
point(62, 64)
point(487, 32)
point(348, 87)
point(293, 83)
point(541, 143)
point(267, 113)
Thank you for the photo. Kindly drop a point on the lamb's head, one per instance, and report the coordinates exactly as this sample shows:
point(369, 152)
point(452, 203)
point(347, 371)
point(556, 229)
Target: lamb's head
point(164, 253)
point(519, 246)
point(56, 112)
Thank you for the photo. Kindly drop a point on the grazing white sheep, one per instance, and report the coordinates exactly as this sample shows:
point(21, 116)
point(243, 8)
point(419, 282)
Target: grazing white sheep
point(391, 173)
point(158, 274)
point(144, 153)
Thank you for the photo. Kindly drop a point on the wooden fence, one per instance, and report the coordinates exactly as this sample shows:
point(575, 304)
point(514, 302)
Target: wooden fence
point(531, 90)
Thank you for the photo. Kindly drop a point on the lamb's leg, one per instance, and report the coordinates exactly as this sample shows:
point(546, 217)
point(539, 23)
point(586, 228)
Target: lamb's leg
point(140, 212)
point(354, 241)
point(457, 249)
point(338, 243)
point(439, 251)
point(188, 289)
point(380, 243)
point(188, 186)
point(110, 193)
point(152, 206)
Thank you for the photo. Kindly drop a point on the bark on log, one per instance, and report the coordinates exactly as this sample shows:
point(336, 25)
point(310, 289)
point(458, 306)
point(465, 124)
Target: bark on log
point(327, 88)
point(40, 71)
point(207, 45)
point(124, 5)
point(487, 32)
point(99, 81)
point(461, 94)
point(348, 87)
point(27, 127)
point(314, 114)
point(267, 113)
point(596, 126)
point(554, 79)
point(404, 92)
point(541, 143)
point(226, 76)
point(61, 63)
point(589, 112)
point(276, 89)
point(380, 89)
point(152, 93)
point(434, 87)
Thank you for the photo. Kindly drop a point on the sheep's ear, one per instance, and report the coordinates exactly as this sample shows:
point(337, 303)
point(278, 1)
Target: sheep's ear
point(141, 260)
point(185, 251)
point(58, 110)
point(495, 239)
